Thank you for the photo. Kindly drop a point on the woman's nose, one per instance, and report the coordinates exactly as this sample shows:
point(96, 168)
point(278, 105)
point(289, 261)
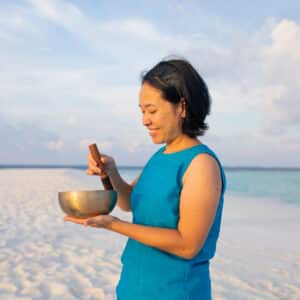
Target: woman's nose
point(146, 120)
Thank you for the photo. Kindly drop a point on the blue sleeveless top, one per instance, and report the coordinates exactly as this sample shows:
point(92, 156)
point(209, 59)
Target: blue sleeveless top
point(149, 273)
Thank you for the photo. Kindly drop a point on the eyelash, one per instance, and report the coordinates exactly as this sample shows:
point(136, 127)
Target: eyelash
point(150, 112)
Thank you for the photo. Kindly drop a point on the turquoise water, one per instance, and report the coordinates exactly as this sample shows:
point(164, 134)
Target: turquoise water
point(277, 184)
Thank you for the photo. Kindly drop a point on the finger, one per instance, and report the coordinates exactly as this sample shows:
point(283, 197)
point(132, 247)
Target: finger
point(74, 220)
point(67, 218)
point(90, 222)
point(91, 160)
point(86, 222)
point(95, 170)
point(92, 163)
point(89, 172)
point(93, 221)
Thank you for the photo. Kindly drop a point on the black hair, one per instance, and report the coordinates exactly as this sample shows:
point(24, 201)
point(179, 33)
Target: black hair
point(178, 80)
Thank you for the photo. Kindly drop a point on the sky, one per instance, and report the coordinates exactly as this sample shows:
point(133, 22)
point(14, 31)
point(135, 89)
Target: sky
point(70, 76)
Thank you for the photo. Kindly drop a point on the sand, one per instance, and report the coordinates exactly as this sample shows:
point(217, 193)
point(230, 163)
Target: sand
point(43, 257)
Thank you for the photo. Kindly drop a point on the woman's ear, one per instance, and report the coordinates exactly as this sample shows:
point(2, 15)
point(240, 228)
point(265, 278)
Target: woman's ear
point(182, 108)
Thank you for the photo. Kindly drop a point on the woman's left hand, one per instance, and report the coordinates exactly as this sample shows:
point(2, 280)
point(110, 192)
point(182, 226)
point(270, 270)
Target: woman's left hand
point(101, 221)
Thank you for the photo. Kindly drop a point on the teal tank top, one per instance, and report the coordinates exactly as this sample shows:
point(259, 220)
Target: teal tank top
point(149, 273)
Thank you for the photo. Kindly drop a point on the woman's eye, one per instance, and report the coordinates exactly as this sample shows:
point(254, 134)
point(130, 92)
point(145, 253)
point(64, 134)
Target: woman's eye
point(150, 112)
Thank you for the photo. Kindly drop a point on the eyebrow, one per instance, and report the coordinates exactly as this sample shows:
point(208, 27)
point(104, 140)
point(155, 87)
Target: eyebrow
point(147, 105)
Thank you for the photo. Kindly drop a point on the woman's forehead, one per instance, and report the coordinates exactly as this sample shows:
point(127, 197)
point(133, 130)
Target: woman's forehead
point(147, 89)
point(150, 96)
point(152, 102)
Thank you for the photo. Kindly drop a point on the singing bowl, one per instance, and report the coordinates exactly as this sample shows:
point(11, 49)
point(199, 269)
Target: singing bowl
point(84, 204)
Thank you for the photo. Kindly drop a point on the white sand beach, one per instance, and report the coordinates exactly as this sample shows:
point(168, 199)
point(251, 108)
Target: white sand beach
point(43, 257)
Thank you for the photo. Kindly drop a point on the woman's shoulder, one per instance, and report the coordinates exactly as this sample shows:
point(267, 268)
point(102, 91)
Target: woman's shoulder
point(205, 161)
point(202, 163)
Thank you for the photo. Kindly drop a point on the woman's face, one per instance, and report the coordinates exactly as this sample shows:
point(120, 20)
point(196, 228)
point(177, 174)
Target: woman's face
point(162, 118)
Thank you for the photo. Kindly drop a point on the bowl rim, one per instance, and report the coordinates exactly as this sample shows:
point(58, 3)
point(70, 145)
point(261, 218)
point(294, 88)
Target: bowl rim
point(85, 191)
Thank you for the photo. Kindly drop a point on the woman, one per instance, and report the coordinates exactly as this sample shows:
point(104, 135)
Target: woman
point(176, 201)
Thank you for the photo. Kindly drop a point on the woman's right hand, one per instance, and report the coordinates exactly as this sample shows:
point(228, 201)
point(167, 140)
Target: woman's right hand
point(108, 165)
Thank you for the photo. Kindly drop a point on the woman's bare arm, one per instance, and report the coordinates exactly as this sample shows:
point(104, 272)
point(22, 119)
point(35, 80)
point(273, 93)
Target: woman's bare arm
point(123, 188)
point(198, 205)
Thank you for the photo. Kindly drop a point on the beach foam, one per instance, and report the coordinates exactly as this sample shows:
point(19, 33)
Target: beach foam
point(43, 257)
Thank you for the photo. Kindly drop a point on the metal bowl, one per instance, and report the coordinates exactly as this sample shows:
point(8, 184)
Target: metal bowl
point(84, 204)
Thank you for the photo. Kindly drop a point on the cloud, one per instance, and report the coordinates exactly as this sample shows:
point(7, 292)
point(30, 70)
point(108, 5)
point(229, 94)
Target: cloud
point(282, 75)
point(104, 36)
point(256, 149)
point(71, 120)
point(285, 41)
point(15, 26)
point(14, 22)
point(55, 145)
point(57, 11)
point(256, 74)
point(28, 143)
point(134, 38)
point(92, 90)
point(135, 28)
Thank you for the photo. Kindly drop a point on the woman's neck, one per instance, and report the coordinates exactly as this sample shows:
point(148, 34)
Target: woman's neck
point(181, 142)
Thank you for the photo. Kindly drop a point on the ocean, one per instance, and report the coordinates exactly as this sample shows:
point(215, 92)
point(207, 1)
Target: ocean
point(281, 184)
point(275, 184)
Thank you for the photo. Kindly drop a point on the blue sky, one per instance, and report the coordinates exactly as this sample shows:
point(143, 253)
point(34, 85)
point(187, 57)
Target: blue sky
point(70, 70)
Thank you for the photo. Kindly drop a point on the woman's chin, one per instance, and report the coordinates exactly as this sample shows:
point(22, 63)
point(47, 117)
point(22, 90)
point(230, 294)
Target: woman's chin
point(156, 140)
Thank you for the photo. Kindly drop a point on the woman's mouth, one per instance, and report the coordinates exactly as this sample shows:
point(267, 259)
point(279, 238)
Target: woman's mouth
point(153, 132)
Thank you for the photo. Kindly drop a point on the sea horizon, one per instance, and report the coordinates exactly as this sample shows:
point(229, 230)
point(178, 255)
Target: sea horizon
point(82, 167)
point(277, 183)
